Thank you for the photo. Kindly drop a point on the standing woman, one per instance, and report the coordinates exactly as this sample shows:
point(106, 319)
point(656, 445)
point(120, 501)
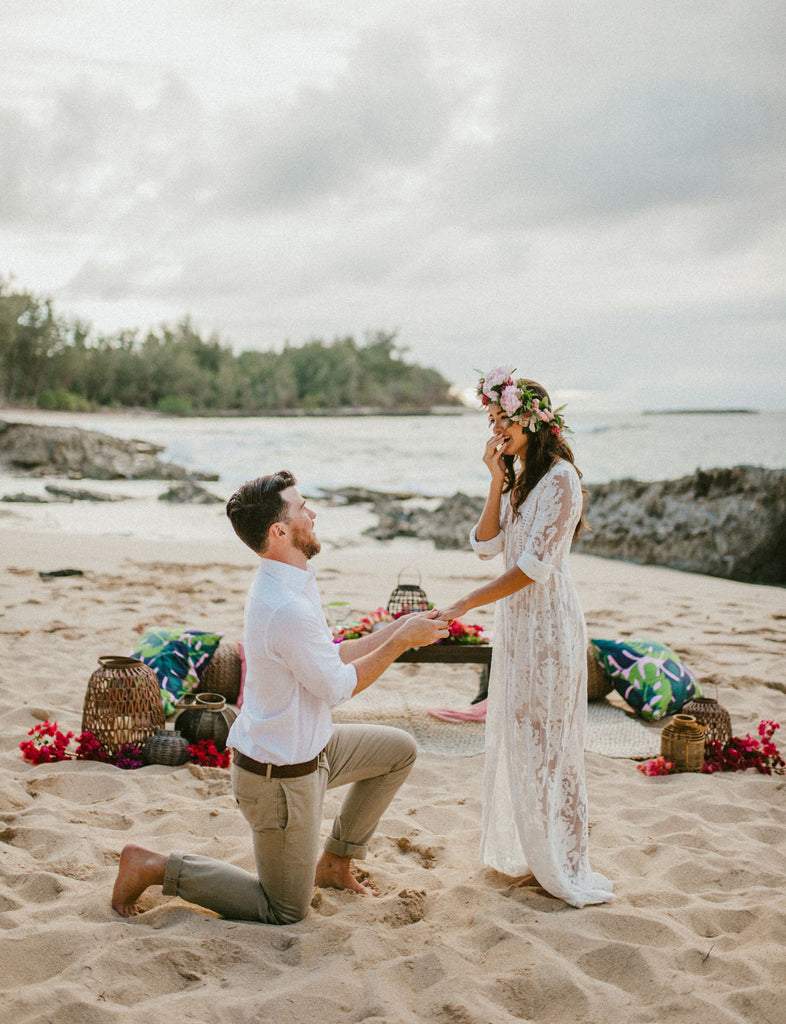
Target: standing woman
point(534, 794)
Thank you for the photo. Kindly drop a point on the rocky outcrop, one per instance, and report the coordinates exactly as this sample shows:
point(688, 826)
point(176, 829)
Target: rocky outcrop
point(34, 450)
point(720, 522)
point(447, 523)
point(186, 492)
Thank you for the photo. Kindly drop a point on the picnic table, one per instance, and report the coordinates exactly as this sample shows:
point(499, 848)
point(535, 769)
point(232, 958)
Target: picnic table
point(453, 654)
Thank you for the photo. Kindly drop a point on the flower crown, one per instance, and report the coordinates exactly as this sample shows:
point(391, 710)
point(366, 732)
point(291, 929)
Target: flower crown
point(498, 387)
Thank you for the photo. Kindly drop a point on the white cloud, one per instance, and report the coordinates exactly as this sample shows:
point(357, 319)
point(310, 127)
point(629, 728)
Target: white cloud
point(593, 189)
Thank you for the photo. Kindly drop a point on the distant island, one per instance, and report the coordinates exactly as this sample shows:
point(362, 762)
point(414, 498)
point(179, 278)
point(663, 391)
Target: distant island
point(699, 412)
point(48, 362)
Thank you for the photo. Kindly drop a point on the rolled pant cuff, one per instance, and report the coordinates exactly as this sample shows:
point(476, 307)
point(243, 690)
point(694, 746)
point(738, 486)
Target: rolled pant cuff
point(342, 849)
point(174, 864)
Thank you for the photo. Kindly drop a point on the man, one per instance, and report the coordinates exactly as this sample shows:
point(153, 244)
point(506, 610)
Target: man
point(286, 750)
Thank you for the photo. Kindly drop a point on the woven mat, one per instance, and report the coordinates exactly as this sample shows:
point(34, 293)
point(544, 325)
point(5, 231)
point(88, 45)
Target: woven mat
point(611, 731)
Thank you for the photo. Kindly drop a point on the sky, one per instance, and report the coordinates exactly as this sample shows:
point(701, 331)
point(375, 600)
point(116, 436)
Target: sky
point(590, 192)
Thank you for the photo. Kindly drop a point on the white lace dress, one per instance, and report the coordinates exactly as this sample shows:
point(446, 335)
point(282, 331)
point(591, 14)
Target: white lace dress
point(534, 794)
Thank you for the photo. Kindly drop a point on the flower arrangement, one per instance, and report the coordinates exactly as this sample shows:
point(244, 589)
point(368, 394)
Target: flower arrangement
point(737, 755)
point(459, 632)
point(207, 754)
point(50, 744)
point(518, 402)
point(747, 752)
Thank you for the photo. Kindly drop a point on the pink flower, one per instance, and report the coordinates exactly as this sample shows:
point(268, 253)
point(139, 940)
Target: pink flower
point(497, 376)
point(510, 400)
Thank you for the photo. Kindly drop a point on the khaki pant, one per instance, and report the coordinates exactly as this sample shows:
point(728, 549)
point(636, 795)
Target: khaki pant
point(285, 816)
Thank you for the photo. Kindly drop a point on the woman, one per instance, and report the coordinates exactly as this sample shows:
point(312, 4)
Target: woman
point(534, 795)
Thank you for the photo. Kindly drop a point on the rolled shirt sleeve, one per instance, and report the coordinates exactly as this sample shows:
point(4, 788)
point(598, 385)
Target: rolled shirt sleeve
point(486, 548)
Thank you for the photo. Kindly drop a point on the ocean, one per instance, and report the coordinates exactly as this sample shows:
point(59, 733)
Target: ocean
point(424, 455)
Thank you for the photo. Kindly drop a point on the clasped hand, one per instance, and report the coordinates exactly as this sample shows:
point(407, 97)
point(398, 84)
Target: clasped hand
point(423, 628)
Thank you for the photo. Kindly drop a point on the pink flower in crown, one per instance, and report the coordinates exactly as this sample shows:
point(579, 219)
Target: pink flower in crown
point(510, 400)
point(494, 378)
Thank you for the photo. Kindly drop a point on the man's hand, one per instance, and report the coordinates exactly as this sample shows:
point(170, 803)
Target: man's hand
point(423, 628)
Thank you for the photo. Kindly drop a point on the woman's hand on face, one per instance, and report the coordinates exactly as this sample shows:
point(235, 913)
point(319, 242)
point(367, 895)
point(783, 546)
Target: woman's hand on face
point(493, 458)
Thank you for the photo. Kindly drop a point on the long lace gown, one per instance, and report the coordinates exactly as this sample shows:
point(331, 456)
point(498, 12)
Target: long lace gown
point(534, 793)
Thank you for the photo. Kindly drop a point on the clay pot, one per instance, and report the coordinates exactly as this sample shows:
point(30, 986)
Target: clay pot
point(205, 716)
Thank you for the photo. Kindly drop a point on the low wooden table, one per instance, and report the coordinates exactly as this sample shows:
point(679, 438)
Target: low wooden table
point(453, 654)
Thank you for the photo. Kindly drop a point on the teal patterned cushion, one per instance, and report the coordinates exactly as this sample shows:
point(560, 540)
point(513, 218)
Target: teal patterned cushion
point(179, 657)
point(647, 675)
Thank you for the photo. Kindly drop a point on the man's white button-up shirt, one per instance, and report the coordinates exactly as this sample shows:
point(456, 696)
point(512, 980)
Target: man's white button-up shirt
point(294, 673)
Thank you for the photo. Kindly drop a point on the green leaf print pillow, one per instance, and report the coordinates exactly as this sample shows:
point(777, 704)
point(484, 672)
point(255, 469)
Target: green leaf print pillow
point(179, 658)
point(647, 675)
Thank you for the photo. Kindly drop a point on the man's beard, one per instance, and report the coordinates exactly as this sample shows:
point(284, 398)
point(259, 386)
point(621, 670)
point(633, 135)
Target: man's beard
point(306, 543)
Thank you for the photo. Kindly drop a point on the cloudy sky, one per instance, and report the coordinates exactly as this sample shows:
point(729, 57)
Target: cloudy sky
point(592, 190)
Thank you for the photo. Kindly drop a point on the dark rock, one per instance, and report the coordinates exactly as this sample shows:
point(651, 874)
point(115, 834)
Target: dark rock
point(187, 492)
point(362, 495)
point(75, 494)
point(447, 524)
point(36, 450)
point(720, 522)
point(29, 499)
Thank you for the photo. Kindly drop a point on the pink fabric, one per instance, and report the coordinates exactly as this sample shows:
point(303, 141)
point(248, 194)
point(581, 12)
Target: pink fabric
point(475, 713)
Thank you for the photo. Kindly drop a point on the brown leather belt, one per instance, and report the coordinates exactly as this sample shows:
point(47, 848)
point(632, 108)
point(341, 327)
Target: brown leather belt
point(275, 771)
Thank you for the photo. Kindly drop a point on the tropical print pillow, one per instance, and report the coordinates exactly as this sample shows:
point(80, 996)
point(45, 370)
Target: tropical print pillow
point(179, 657)
point(648, 675)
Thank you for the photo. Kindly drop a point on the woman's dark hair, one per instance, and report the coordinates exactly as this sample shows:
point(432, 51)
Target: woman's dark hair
point(543, 450)
point(255, 506)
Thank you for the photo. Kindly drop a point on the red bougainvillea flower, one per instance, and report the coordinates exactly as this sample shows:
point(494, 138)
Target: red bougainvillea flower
point(656, 766)
point(48, 744)
point(206, 753)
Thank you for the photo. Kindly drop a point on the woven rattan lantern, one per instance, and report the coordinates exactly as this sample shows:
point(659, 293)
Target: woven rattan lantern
point(682, 743)
point(122, 703)
point(407, 597)
point(715, 719)
point(224, 673)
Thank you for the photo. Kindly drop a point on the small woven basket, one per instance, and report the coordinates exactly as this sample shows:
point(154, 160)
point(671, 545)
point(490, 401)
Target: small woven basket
point(407, 597)
point(715, 719)
point(223, 674)
point(122, 703)
point(598, 683)
point(682, 743)
point(166, 746)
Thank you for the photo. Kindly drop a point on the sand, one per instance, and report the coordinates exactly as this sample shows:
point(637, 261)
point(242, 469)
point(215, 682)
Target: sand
point(697, 931)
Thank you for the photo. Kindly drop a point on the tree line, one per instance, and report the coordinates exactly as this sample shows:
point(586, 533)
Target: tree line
point(53, 362)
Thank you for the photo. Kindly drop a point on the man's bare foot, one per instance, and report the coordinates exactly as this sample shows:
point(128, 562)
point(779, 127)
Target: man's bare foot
point(138, 869)
point(334, 873)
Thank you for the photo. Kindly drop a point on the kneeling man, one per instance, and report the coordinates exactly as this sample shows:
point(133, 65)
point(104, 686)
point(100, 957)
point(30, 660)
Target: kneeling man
point(286, 749)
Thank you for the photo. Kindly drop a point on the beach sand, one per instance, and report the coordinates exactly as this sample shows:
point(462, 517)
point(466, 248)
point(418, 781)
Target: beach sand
point(697, 931)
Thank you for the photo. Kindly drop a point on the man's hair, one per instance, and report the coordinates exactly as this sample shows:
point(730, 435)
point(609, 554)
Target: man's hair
point(256, 505)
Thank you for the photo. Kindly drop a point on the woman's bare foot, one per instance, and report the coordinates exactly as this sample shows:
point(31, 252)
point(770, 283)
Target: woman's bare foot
point(139, 868)
point(333, 873)
point(527, 882)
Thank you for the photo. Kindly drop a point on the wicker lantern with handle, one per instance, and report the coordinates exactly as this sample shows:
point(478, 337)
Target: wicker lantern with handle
point(715, 719)
point(407, 597)
point(122, 703)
